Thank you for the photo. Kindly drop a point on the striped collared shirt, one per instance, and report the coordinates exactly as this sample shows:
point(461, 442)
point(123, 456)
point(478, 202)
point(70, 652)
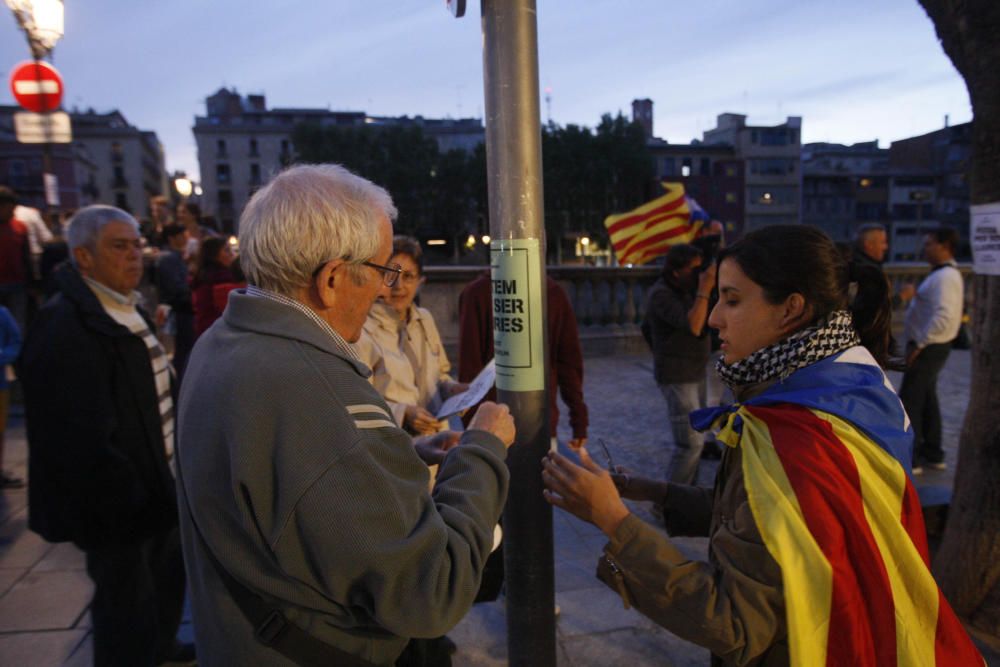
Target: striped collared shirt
point(338, 340)
point(122, 309)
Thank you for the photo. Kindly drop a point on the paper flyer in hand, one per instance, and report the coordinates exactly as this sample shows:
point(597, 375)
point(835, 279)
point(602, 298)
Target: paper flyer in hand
point(477, 389)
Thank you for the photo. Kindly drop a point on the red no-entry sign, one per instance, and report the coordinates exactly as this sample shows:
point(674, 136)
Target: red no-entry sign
point(37, 86)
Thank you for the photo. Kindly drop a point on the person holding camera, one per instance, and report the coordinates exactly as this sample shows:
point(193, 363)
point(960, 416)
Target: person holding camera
point(674, 327)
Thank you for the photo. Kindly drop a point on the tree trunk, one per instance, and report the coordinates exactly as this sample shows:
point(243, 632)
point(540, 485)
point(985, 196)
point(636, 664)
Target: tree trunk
point(967, 565)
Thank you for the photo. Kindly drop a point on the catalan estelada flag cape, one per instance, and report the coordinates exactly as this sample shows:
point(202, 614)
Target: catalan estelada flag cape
point(826, 455)
point(647, 232)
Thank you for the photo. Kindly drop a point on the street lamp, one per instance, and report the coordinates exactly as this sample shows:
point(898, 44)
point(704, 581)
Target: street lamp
point(42, 23)
point(183, 186)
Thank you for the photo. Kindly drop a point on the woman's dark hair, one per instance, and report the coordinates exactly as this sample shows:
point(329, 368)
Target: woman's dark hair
point(191, 208)
point(208, 255)
point(788, 259)
point(407, 245)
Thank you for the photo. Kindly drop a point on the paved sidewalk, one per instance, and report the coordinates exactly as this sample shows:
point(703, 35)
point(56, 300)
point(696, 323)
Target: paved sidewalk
point(44, 589)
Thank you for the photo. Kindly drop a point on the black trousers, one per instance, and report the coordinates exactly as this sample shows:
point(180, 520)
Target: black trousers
point(138, 600)
point(919, 395)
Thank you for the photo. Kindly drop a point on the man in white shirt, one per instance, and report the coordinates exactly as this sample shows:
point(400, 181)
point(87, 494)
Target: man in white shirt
point(933, 318)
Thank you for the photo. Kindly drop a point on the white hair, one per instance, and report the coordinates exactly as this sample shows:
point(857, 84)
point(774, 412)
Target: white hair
point(86, 224)
point(306, 216)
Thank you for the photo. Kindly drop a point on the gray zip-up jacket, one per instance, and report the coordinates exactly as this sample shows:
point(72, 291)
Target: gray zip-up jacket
point(307, 492)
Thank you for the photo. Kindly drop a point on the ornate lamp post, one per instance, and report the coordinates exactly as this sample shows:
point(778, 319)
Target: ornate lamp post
point(42, 23)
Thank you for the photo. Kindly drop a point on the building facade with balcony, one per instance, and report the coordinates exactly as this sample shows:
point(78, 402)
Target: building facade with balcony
point(844, 187)
point(772, 191)
point(242, 143)
point(128, 162)
point(21, 168)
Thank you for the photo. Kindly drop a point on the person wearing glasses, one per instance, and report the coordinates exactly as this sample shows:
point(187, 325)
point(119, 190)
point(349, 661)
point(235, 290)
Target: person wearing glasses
point(309, 531)
point(817, 548)
point(401, 344)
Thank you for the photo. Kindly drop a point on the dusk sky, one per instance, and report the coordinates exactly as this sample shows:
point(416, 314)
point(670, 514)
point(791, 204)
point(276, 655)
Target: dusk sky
point(855, 70)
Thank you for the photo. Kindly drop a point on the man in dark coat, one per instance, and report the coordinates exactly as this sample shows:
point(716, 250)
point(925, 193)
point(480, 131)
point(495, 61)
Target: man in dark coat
point(175, 294)
point(100, 435)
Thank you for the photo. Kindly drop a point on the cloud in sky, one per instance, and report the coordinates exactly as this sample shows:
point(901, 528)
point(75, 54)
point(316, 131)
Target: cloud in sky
point(854, 70)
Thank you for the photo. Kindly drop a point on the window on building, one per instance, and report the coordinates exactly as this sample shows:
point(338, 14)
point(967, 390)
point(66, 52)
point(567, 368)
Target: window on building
point(253, 148)
point(730, 171)
point(772, 166)
point(754, 137)
point(116, 152)
point(119, 176)
point(667, 167)
point(121, 201)
point(774, 136)
point(225, 199)
point(222, 174)
point(731, 198)
point(705, 167)
point(686, 167)
point(284, 147)
point(254, 174)
point(17, 174)
point(220, 147)
point(776, 195)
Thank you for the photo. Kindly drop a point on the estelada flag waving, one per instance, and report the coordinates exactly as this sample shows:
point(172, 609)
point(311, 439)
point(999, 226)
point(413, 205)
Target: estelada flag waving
point(825, 457)
point(647, 232)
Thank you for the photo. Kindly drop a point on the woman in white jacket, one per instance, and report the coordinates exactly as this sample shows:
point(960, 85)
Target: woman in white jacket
point(401, 344)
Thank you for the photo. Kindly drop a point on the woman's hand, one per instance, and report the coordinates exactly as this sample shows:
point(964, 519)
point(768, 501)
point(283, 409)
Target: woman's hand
point(451, 388)
point(585, 491)
point(418, 420)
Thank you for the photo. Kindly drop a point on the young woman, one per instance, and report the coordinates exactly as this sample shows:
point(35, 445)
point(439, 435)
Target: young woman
point(401, 344)
point(817, 548)
point(215, 257)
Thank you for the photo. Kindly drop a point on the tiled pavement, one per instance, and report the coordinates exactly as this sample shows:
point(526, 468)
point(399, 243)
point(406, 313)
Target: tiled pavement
point(44, 589)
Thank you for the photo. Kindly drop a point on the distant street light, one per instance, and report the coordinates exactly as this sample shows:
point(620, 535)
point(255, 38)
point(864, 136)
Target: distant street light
point(585, 241)
point(41, 21)
point(183, 186)
point(486, 239)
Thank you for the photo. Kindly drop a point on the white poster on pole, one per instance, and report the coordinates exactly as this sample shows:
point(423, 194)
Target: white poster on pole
point(984, 233)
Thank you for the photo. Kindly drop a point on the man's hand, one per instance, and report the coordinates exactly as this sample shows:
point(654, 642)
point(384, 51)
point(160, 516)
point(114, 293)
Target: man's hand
point(577, 443)
point(907, 292)
point(432, 448)
point(587, 490)
point(495, 418)
point(162, 311)
point(419, 420)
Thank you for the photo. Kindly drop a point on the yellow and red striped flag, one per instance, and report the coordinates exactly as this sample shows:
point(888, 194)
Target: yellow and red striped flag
point(647, 232)
point(825, 456)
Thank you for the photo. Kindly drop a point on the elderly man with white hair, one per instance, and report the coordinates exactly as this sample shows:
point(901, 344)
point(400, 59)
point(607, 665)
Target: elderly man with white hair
point(100, 423)
point(310, 536)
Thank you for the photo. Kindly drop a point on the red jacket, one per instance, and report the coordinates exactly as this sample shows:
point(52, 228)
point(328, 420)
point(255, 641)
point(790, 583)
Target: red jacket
point(475, 348)
point(14, 253)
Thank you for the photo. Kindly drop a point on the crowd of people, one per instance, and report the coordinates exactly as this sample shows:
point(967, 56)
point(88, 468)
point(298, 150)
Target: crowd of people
point(270, 438)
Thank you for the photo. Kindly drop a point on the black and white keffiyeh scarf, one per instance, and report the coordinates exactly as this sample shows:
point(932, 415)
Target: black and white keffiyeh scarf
point(779, 360)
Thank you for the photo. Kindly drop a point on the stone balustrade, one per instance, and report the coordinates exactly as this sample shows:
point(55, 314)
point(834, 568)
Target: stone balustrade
point(608, 301)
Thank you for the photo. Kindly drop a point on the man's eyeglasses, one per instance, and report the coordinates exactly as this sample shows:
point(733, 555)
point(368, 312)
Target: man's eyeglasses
point(390, 273)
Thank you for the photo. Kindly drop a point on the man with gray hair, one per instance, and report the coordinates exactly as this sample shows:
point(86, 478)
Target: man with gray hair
point(871, 245)
point(100, 437)
point(310, 536)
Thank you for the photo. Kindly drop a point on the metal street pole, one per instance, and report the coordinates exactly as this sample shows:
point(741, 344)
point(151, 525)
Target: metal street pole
point(517, 251)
